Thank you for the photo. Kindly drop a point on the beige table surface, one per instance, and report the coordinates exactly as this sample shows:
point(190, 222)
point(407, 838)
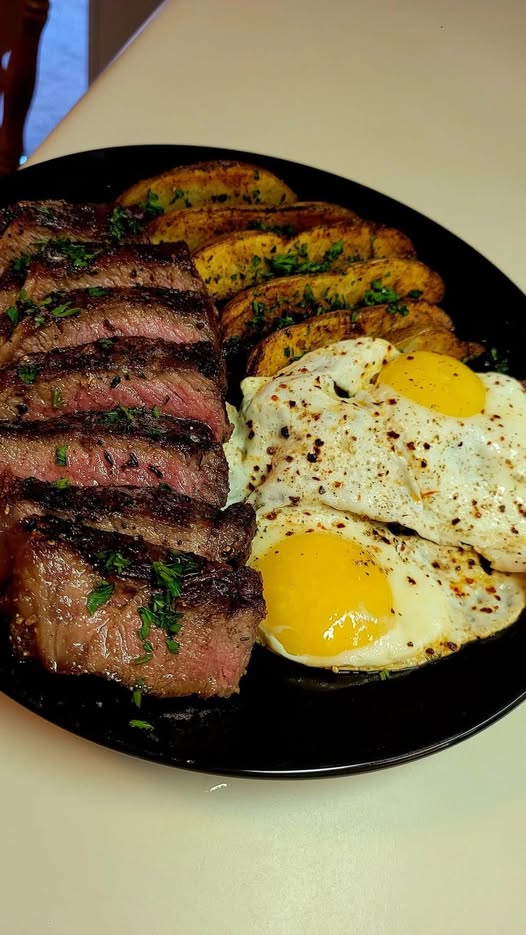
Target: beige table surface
point(425, 101)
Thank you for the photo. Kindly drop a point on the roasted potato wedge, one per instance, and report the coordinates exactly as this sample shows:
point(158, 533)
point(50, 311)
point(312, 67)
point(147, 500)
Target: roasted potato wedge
point(362, 241)
point(254, 313)
point(221, 182)
point(442, 342)
point(237, 261)
point(200, 226)
point(421, 326)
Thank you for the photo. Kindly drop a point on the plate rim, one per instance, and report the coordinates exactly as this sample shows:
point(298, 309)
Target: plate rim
point(34, 170)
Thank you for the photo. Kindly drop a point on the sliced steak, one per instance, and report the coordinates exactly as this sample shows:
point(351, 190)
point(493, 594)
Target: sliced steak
point(157, 514)
point(57, 567)
point(10, 284)
point(179, 380)
point(84, 265)
point(181, 317)
point(119, 447)
point(28, 225)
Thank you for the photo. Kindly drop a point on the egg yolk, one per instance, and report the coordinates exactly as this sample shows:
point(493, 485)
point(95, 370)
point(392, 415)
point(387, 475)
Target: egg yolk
point(436, 381)
point(324, 595)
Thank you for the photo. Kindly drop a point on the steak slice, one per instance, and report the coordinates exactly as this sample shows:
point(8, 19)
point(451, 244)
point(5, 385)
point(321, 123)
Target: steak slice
point(118, 447)
point(29, 224)
point(168, 265)
point(10, 284)
point(179, 380)
point(157, 514)
point(181, 317)
point(57, 567)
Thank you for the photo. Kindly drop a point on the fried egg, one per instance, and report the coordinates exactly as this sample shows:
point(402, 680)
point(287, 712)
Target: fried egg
point(344, 593)
point(417, 439)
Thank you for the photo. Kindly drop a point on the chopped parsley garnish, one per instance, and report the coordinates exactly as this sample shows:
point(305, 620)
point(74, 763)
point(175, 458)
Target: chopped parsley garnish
point(151, 208)
point(115, 382)
point(13, 314)
point(283, 322)
point(384, 675)
point(128, 413)
point(97, 291)
point(156, 412)
point(285, 230)
point(106, 343)
point(113, 561)
point(499, 361)
point(27, 373)
point(56, 398)
point(79, 255)
point(23, 301)
point(415, 293)
point(258, 318)
point(397, 308)
point(379, 295)
point(142, 725)
point(114, 416)
point(61, 455)
point(167, 580)
point(66, 310)
point(21, 263)
point(178, 193)
point(43, 211)
point(122, 222)
point(169, 576)
point(296, 261)
point(39, 310)
point(61, 483)
point(137, 697)
point(100, 595)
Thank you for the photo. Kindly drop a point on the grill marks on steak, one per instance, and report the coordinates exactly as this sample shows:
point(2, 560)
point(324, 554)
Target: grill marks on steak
point(168, 265)
point(112, 448)
point(181, 317)
point(181, 381)
point(159, 515)
point(56, 568)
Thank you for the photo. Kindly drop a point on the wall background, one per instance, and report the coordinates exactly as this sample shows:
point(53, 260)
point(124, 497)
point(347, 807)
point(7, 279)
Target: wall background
point(80, 38)
point(112, 22)
point(62, 68)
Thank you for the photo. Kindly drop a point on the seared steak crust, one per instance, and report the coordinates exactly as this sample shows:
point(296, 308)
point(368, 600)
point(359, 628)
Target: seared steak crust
point(26, 226)
point(181, 317)
point(58, 564)
point(179, 380)
point(163, 430)
point(118, 447)
point(126, 355)
point(168, 265)
point(157, 514)
point(57, 214)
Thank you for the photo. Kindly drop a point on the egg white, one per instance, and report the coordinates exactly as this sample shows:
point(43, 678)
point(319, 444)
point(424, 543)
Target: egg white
point(442, 597)
point(384, 456)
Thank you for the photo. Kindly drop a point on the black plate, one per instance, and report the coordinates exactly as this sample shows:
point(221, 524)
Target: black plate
point(287, 720)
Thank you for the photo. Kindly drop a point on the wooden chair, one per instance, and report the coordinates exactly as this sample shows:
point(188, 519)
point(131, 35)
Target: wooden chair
point(21, 24)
